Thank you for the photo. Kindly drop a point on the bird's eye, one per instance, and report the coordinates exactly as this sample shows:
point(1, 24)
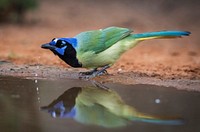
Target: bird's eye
point(60, 43)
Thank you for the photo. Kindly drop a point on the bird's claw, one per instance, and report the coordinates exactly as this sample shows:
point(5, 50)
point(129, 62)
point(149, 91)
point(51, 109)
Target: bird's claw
point(85, 73)
point(85, 77)
point(89, 75)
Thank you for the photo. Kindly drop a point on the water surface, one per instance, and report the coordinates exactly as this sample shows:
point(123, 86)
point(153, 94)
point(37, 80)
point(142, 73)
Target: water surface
point(21, 101)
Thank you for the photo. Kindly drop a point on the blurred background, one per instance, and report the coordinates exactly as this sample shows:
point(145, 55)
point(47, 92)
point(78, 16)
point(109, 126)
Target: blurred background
point(26, 24)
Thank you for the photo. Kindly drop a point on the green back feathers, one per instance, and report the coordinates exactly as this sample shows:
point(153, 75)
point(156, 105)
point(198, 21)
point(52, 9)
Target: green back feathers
point(99, 40)
point(98, 48)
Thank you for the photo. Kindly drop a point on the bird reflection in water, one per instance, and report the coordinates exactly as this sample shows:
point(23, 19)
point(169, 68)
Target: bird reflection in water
point(99, 106)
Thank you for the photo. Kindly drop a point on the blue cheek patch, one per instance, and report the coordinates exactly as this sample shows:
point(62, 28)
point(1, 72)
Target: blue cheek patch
point(61, 51)
point(63, 114)
point(71, 114)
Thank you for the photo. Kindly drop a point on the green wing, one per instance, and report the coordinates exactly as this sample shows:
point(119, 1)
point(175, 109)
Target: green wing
point(99, 40)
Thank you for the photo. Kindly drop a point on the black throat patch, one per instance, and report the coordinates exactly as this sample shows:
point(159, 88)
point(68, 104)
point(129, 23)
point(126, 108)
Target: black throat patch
point(69, 57)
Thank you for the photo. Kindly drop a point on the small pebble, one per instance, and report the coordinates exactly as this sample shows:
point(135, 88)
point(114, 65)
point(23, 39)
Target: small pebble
point(119, 69)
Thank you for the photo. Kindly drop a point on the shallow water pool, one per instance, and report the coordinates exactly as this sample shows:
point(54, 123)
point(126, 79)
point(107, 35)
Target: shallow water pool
point(75, 105)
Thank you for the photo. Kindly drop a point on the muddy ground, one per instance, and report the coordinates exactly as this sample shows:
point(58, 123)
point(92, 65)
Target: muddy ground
point(168, 62)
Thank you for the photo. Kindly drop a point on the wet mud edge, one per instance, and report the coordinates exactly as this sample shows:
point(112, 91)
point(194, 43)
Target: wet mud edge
point(55, 73)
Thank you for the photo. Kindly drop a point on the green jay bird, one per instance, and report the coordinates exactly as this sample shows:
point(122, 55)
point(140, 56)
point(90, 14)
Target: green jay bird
point(101, 48)
point(103, 107)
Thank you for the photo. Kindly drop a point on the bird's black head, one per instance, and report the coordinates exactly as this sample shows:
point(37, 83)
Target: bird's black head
point(65, 48)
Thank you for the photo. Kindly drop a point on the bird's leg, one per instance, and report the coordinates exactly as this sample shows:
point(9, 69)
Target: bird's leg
point(101, 71)
point(99, 85)
point(88, 72)
point(94, 73)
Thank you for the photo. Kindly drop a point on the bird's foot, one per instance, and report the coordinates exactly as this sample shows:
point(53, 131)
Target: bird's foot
point(88, 72)
point(93, 73)
point(89, 75)
point(99, 85)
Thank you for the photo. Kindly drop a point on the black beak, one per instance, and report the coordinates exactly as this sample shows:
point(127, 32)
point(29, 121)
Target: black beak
point(48, 46)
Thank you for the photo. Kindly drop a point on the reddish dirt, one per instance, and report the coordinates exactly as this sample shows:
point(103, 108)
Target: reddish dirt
point(169, 59)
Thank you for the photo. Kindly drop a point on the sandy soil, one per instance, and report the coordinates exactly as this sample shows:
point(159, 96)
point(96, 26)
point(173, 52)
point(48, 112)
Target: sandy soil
point(175, 60)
